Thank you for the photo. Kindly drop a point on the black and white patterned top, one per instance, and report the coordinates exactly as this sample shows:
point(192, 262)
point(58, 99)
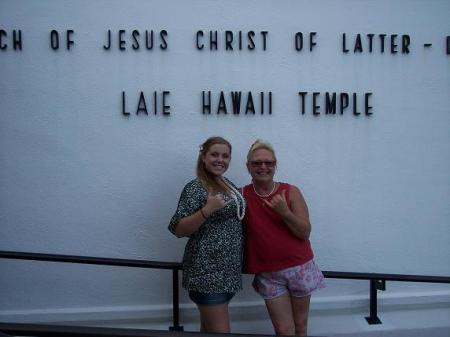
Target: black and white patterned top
point(213, 255)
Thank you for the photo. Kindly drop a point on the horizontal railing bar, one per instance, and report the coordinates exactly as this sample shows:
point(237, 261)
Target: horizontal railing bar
point(24, 329)
point(386, 277)
point(104, 261)
point(178, 266)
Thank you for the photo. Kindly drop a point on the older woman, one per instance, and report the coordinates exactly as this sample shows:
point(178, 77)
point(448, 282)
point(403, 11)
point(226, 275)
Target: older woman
point(209, 212)
point(277, 246)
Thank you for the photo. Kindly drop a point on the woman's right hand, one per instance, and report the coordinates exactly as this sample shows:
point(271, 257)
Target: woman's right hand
point(214, 202)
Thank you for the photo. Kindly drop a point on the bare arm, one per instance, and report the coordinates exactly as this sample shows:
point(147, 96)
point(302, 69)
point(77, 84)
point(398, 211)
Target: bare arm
point(190, 224)
point(296, 217)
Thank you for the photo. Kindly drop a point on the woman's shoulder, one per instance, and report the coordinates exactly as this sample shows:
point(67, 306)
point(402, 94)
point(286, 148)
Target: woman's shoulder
point(193, 185)
point(247, 187)
point(284, 185)
point(230, 182)
point(289, 187)
point(193, 182)
point(293, 191)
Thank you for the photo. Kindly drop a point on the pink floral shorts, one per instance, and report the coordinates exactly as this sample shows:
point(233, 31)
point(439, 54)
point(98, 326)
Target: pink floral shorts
point(299, 281)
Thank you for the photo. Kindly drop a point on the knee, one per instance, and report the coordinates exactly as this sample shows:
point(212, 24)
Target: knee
point(284, 329)
point(301, 327)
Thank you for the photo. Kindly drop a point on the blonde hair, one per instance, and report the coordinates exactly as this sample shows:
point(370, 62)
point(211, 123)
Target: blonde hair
point(206, 178)
point(260, 144)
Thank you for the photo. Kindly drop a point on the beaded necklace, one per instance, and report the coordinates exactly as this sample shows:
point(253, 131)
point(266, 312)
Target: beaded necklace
point(266, 195)
point(235, 195)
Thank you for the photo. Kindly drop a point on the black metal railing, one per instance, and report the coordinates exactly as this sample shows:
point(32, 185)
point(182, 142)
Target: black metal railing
point(103, 261)
point(377, 280)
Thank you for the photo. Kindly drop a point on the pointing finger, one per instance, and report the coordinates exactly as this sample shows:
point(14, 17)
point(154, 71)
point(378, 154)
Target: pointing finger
point(268, 203)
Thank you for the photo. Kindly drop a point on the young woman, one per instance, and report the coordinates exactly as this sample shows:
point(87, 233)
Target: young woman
point(277, 247)
point(209, 212)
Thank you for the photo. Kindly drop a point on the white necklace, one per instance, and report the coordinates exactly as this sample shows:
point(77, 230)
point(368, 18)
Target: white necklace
point(240, 210)
point(265, 195)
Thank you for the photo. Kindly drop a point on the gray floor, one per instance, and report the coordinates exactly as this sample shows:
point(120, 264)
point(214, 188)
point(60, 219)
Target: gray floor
point(428, 332)
point(422, 321)
point(264, 328)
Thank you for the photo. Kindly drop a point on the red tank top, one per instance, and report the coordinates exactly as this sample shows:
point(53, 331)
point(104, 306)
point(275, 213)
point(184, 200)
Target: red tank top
point(269, 244)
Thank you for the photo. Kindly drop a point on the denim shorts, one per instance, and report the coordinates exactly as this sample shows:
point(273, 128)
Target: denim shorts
point(299, 281)
point(210, 299)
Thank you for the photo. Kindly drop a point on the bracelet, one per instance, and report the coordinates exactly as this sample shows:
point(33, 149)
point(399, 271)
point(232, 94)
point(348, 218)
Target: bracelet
point(203, 214)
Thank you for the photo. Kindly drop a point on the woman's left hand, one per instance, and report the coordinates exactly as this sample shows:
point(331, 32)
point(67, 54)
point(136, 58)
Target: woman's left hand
point(295, 215)
point(278, 203)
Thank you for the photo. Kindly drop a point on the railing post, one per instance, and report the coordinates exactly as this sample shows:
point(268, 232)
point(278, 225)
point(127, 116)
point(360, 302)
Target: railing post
point(175, 302)
point(373, 318)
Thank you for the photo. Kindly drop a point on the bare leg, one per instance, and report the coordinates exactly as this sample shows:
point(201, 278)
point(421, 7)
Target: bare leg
point(300, 307)
point(214, 318)
point(280, 311)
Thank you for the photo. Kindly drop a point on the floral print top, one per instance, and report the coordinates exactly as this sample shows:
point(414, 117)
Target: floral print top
point(212, 258)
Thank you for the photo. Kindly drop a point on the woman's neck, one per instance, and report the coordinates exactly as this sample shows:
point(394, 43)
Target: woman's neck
point(264, 188)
